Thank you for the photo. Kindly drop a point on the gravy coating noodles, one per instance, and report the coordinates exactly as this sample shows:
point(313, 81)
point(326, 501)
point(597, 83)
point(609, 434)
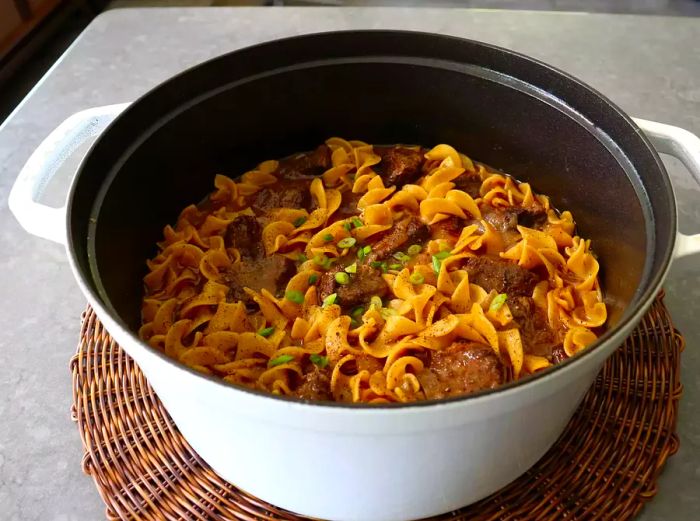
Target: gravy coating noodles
point(361, 273)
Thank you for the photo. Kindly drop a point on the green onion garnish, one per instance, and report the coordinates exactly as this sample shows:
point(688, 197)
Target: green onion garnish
point(342, 278)
point(416, 278)
point(347, 226)
point(414, 250)
point(267, 331)
point(357, 312)
point(498, 301)
point(282, 359)
point(375, 302)
point(301, 258)
point(357, 222)
point(436, 264)
point(442, 255)
point(319, 360)
point(401, 256)
point(299, 221)
point(395, 266)
point(352, 268)
point(328, 237)
point(313, 278)
point(348, 242)
point(322, 261)
point(376, 264)
point(295, 296)
point(354, 323)
point(329, 300)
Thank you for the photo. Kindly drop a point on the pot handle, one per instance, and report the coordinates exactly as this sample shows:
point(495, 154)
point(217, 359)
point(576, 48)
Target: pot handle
point(685, 146)
point(36, 218)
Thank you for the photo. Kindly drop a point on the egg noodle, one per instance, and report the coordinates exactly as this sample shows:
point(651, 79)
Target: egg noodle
point(189, 314)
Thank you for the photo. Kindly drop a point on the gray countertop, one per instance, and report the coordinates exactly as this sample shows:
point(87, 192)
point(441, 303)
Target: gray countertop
point(650, 66)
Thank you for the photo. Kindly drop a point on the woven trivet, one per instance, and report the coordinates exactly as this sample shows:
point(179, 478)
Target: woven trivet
point(604, 466)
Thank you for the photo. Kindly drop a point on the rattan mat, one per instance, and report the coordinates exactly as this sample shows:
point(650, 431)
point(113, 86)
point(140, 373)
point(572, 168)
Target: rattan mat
point(604, 466)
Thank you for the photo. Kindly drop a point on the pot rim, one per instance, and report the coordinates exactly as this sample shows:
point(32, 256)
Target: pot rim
point(606, 342)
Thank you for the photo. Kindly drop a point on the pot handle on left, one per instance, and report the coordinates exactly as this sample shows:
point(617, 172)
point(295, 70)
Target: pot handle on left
point(38, 219)
point(685, 146)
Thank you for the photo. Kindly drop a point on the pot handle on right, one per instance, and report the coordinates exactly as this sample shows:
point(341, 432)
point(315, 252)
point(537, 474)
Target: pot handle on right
point(685, 146)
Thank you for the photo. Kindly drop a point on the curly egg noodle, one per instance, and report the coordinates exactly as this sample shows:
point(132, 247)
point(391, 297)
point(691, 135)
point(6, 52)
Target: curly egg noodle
point(384, 349)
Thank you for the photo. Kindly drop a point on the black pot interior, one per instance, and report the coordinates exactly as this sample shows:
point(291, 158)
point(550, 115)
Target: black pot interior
point(268, 101)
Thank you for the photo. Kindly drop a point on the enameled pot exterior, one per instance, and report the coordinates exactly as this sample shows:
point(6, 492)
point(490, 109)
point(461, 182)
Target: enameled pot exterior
point(328, 460)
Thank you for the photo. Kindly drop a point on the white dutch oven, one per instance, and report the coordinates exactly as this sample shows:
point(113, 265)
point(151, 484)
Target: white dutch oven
point(360, 463)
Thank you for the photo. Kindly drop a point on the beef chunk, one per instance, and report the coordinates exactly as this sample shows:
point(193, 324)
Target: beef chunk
point(469, 183)
point(271, 273)
point(449, 228)
point(364, 284)
point(403, 234)
point(507, 219)
point(462, 368)
point(306, 164)
point(492, 273)
point(348, 205)
point(399, 166)
point(245, 234)
point(535, 333)
point(285, 193)
point(315, 385)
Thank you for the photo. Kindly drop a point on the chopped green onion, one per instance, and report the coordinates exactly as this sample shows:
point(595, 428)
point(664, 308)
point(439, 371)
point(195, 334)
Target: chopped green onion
point(329, 300)
point(387, 312)
point(357, 312)
point(414, 250)
point(360, 254)
point(416, 278)
point(319, 360)
point(313, 278)
point(436, 264)
point(367, 249)
point(347, 226)
point(348, 242)
point(282, 359)
point(442, 255)
point(328, 237)
point(395, 266)
point(267, 331)
point(498, 301)
point(299, 221)
point(301, 258)
point(322, 261)
point(342, 278)
point(383, 266)
point(375, 302)
point(357, 222)
point(401, 256)
point(354, 323)
point(352, 268)
point(376, 264)
point(295, 296)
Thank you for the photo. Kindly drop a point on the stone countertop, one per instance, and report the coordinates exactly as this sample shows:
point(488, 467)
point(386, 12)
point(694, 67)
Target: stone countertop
point(650, 66)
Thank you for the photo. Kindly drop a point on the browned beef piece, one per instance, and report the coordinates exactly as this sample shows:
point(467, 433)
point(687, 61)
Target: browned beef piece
point(462, 368)
point(245, 234)
point(403, 234)
point(507, 219)
point(315, 385)
point(470, 183)
point(492, 273)
point(535, 333)
point(364, 284)
point(285, 193)
point(449, 228)
point(271, 273)
point(399, 166)
point(306, 164)
point(348, 205)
